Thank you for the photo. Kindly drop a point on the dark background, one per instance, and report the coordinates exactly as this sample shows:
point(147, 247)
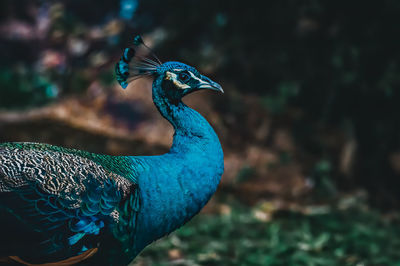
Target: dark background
point(309, 118)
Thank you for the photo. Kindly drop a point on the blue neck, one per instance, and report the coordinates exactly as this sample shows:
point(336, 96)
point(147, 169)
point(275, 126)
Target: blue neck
point(175, 186)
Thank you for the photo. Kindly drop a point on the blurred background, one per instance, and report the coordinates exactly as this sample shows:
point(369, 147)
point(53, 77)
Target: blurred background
point(309, 121)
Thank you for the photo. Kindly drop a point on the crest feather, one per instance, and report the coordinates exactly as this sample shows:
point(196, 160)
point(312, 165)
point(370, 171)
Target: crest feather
point(136, 62)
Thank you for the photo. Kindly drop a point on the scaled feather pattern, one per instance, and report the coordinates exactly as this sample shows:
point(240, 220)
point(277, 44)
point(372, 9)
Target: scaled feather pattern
point(57, 204)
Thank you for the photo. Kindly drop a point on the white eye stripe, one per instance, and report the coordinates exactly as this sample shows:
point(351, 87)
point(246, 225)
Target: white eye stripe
point(180, 85)
point(198, 79)
point(191, 74)
point(174, 78)
point(171, 76)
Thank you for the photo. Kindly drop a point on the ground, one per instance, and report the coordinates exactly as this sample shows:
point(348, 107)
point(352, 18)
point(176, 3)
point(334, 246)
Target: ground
point(348, 233)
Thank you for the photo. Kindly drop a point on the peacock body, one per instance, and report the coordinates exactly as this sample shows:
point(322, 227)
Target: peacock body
point(59, 204)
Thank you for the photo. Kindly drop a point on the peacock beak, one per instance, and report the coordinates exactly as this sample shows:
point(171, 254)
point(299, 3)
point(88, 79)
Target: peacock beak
point(206, 83)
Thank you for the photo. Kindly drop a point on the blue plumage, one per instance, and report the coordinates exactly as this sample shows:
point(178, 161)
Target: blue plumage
point(122, 67)
point(70, 204)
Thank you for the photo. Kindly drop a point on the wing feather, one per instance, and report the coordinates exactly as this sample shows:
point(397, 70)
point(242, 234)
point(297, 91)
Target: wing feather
point(65, 198)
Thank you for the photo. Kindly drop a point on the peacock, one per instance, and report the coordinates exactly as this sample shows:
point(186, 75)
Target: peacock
point(60, 206)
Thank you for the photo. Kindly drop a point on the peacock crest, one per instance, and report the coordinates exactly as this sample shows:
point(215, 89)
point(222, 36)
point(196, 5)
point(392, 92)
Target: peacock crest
point(136, 61)
point(74, 205)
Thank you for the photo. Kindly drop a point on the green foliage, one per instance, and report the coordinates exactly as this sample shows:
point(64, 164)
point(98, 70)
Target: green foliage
point(350, 237)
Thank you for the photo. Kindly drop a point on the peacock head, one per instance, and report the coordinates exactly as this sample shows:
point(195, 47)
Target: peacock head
point(178, 79)
point(172, 80)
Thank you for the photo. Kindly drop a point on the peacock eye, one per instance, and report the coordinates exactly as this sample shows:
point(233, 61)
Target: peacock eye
point(183, 76)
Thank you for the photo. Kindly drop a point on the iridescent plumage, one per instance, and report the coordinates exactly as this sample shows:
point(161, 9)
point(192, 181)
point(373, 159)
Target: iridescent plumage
point(64, 204)
point(70, 196)
point(134, 63)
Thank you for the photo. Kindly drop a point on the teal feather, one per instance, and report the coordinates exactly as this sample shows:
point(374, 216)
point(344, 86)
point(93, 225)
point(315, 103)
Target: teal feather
point(65, 201)
point(75, 238)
